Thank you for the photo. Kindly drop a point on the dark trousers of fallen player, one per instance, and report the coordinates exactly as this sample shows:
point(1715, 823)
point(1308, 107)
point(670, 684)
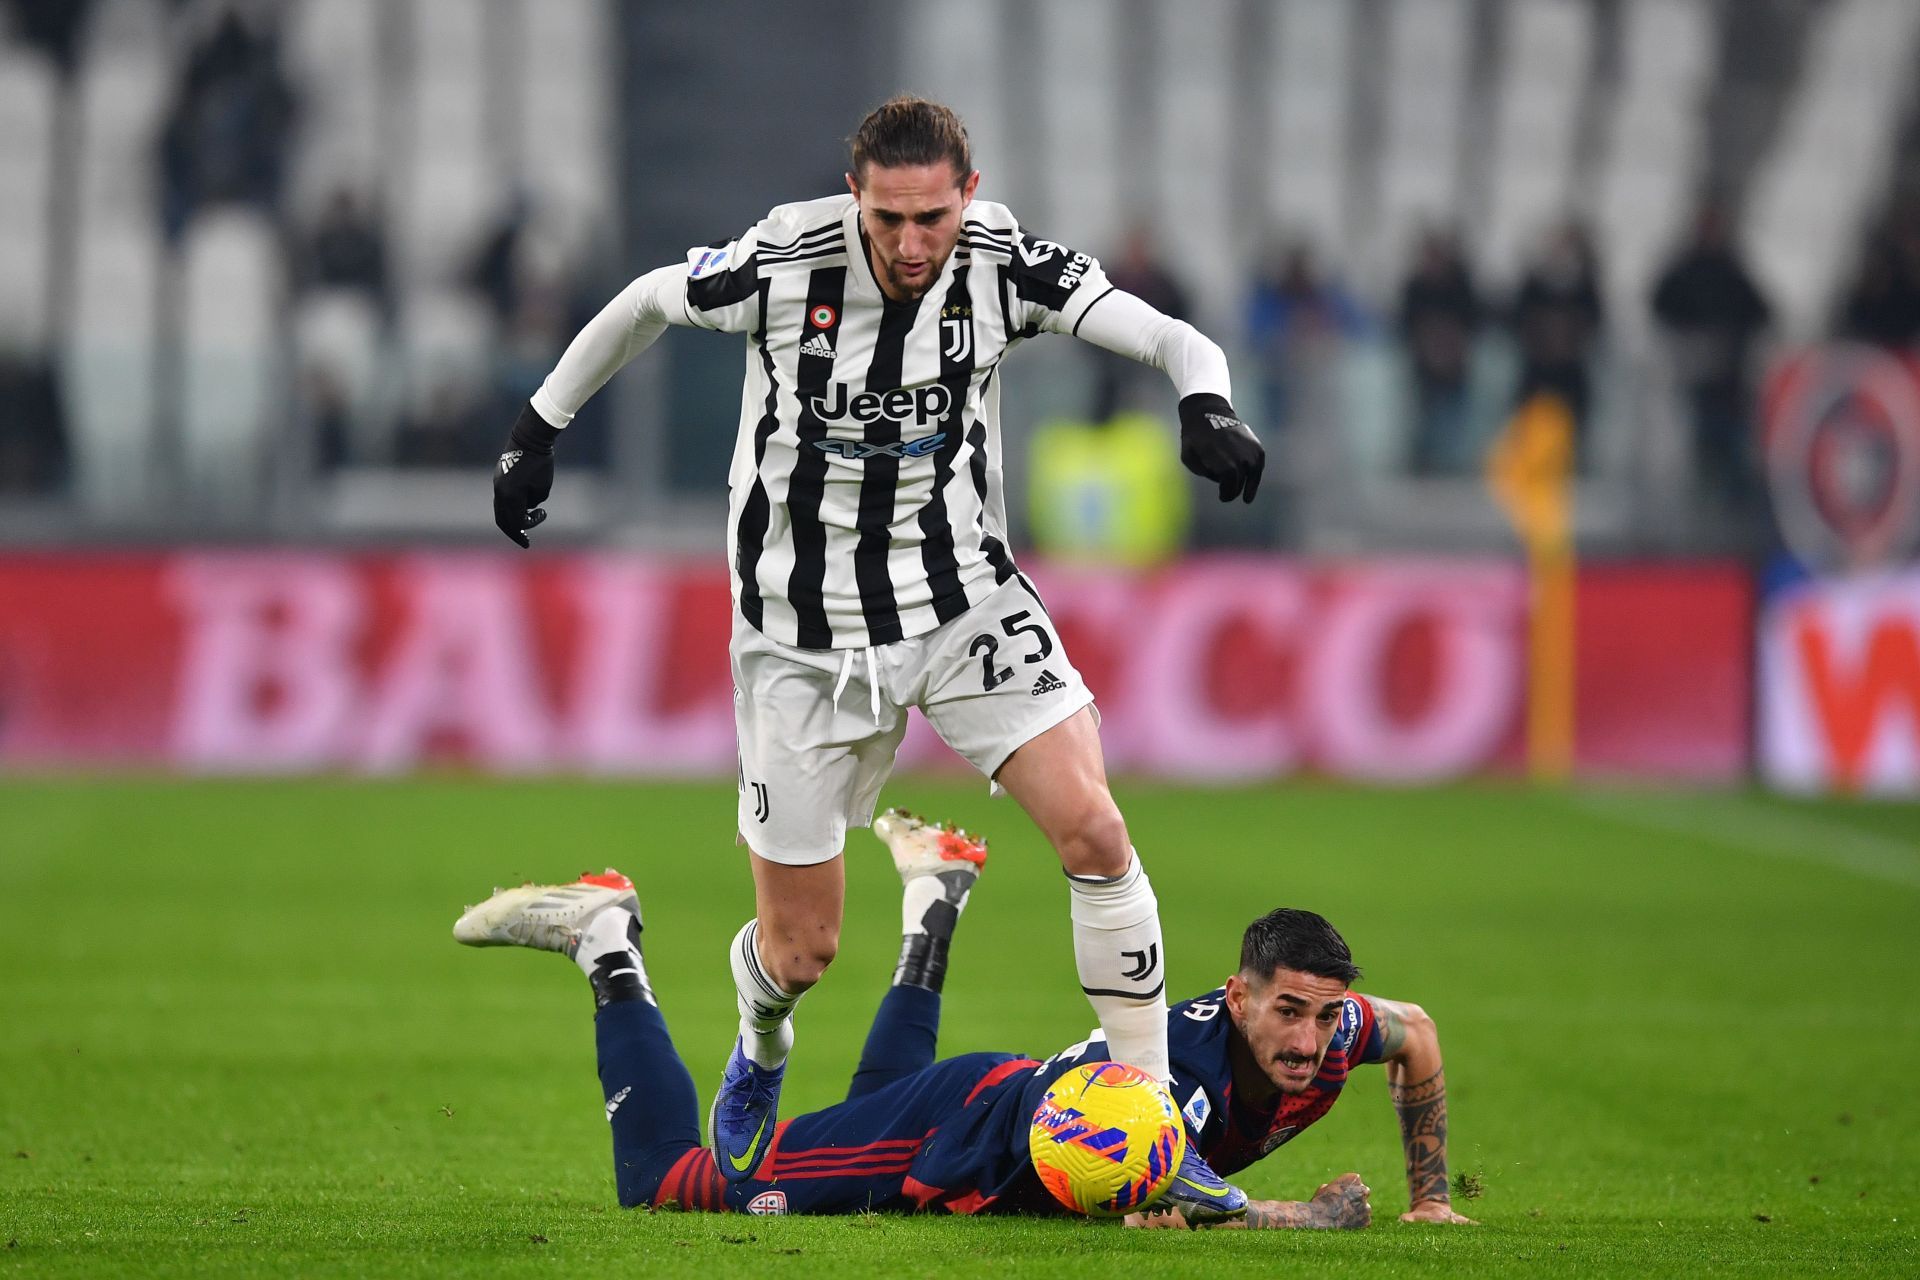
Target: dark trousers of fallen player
point(854, 1155)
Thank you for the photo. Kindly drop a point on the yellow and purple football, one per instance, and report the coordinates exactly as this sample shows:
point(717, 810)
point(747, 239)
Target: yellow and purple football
point(1106, 1139)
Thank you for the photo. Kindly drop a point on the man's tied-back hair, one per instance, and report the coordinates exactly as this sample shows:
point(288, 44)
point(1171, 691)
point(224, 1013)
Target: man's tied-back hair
point(911, 131)
point(1288, 938)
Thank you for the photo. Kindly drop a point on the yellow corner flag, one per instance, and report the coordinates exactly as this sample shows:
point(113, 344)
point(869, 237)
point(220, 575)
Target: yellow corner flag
point(1529, 470)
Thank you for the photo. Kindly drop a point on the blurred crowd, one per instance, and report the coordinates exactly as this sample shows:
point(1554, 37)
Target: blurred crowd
point(1711, 318)
point(1464, 352)
point(232, 118)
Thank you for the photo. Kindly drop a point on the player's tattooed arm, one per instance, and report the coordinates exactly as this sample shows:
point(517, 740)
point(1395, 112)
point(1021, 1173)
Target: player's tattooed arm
point(1417, 1083)
point(1339, 1205)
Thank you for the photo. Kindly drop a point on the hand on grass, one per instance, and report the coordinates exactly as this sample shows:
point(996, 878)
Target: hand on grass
point(1343, 1203)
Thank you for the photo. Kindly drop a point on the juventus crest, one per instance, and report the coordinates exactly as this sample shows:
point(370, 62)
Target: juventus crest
point(959, 339)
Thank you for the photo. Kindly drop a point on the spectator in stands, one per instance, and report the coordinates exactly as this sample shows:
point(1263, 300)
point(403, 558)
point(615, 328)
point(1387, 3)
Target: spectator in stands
point(1709, 302)
point(53, 26)
point(33, 430)
point(1293, 312)
point(345, 249)
point(1883, 306)
point(1440, 313)
point(227, 133)
point(495, 269)
point(1557, 319)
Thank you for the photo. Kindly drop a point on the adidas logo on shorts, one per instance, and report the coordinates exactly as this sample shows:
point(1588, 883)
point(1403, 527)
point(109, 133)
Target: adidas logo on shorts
point(1047, 683)
point(817, 345)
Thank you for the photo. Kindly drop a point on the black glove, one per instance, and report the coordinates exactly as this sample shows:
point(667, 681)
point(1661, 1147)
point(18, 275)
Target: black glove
point(1214, 443)
point(524, 476)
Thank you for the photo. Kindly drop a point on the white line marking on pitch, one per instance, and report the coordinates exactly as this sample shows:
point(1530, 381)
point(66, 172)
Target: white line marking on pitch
point(1734, 823)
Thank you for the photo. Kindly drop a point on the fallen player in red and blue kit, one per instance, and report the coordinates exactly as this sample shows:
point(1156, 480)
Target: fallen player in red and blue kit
point(1254, 1062)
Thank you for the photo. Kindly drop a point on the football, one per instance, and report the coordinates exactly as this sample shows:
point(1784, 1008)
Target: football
point(1106, 1139)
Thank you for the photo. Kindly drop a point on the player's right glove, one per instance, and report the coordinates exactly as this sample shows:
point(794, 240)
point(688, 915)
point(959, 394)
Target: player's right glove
point(524, 475)
point(1215, 443)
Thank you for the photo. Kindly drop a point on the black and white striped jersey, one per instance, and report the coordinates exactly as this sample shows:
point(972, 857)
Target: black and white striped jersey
point(866, 503)
point(866, 500)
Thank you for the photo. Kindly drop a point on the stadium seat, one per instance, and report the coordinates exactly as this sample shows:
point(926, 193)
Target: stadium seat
point(1309, 130)
point(1831, 154)
point(232, 384)
point(1651, 149)
point(107, 363)
point(28, 102)
point(446, 336)
point(1195, 107)
point(334, 55)
point(1545, 58)
point(447, 181)
point(1082, 188)
point(340, 331)
point(1424, 81)
point(122, 100)
point(564, 61)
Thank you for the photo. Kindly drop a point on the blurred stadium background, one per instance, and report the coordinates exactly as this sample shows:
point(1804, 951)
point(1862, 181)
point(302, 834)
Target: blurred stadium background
point(1503, 281)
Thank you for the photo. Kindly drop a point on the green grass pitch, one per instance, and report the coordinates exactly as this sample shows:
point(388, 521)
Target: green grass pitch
point(237, 1039)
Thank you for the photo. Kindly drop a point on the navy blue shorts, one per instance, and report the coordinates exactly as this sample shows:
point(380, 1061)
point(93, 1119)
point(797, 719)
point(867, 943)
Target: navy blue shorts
point(877, 1151)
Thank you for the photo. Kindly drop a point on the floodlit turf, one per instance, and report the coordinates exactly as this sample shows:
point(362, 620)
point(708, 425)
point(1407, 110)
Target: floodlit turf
point(1680, 1031)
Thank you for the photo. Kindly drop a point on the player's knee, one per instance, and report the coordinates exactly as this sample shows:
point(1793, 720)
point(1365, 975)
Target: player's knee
point(799, 964)
point(1095, 842)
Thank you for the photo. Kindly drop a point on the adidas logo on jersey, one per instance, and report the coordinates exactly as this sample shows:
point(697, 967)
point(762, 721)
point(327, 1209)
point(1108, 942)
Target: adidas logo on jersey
point(817, 345)
point(1047, 683)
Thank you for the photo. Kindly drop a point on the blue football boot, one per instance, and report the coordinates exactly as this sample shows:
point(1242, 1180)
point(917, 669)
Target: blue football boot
point(1202, 1196)
point(744, 1110)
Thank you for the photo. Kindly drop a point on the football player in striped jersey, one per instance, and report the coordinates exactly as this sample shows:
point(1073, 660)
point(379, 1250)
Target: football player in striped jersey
point(869, 559)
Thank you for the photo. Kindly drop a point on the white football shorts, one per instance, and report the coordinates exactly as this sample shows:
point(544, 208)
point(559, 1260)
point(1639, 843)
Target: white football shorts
point(818, 728)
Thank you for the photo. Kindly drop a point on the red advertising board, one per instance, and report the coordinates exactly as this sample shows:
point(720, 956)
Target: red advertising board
point(1840, 685)
point(1221, 669)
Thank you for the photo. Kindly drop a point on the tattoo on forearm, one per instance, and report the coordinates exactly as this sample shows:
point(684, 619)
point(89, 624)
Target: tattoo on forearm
point(1422, 1107)
point(1342, 1208)
point(1280, 1214)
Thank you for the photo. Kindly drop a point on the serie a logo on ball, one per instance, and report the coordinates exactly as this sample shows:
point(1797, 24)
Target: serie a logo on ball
point(1106, 1139)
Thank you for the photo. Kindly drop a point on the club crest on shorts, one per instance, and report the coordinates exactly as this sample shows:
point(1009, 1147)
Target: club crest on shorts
point(768, 1204)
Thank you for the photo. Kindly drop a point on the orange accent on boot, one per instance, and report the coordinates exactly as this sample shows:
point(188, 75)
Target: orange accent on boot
point(608, 879)
point(958, 848)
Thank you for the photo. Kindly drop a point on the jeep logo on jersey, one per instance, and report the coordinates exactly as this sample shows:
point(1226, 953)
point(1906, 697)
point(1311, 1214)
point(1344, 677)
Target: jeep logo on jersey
point(918, 405)
point(859, 449)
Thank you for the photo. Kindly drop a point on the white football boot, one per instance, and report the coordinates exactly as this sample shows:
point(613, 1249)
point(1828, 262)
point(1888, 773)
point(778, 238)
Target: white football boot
point(549, 917)
point(922, 848)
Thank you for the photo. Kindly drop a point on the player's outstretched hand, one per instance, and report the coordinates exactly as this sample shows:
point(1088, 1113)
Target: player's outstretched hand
point(1344, 1203)
point(523, 477)
point(1215, 443)
point(1436, 1211)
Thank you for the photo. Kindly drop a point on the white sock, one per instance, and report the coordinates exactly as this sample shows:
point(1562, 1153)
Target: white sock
point(609, 954)
point(766, 1021)
point(1116, 946)
point(920, 893)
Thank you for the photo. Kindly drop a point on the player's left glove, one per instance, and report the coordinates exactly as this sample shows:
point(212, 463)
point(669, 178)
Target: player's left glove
point(523, 477)
point(1215, 443)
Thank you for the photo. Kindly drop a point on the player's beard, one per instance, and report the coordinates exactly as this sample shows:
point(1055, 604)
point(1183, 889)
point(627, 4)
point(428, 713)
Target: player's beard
point(912, 289)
